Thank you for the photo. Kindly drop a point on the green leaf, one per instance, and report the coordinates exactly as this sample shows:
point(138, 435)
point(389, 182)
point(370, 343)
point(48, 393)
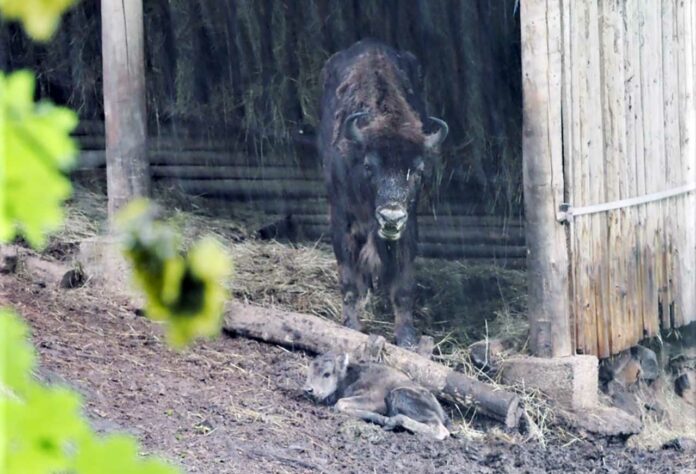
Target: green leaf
point(208, 266)
point(16, 354)
point(40, 429)
point(40, 17)
point(187, 291)
point(115, 455)
point(37, 150)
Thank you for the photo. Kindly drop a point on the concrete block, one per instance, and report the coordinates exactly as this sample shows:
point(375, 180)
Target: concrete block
point(606, 421)
point(572, 382)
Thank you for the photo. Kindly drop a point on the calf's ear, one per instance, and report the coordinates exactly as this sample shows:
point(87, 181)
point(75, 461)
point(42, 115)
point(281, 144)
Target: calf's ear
point(342, 361)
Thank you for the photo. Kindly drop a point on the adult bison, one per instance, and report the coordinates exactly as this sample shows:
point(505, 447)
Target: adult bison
point(376, 153)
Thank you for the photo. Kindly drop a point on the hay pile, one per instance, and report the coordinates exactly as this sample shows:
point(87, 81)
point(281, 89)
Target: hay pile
point(249, 71)
point(456, 302)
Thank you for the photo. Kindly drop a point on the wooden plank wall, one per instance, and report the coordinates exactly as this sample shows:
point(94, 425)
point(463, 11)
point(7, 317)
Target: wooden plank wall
point(280, 188)
point(629, 129)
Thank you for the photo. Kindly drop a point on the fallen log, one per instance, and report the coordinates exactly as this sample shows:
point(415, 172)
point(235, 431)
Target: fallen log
point(186, 155)
point(513, 256)
point(274, 207)
point(43, 271)
point(310, 333)
point(208, 158)
point(89, 127)
point(257, 173)
point(91, 142)
point(480, 242)
point(445, 217)
point(426, 219)
point(248, 189)
point(212, 160)
point(451, 250)
point(91, 159)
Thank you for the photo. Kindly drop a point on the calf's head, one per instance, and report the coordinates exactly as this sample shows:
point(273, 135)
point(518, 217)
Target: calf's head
point(324, 376)
point(392, 170)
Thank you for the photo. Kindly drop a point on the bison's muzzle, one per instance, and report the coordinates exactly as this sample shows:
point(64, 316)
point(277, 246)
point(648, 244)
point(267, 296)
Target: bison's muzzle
point(392, 221)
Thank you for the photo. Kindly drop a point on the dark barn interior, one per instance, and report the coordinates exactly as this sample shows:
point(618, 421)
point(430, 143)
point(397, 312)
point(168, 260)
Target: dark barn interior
point(233, 90)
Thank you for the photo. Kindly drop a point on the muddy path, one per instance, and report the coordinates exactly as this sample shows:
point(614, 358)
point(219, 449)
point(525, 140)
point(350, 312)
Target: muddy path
point(234, 405)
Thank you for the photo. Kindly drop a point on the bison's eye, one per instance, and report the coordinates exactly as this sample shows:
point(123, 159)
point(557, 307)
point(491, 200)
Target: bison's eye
point(368, 169)
point(327, 375)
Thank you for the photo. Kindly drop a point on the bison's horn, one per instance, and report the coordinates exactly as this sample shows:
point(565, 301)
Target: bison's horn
point(435, 139)
point(351, 127)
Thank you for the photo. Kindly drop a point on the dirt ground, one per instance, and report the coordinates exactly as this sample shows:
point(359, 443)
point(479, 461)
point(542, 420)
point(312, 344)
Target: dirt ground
point(234, 405)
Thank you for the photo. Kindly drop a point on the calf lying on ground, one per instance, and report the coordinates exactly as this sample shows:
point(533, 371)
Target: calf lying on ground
point(376, 393)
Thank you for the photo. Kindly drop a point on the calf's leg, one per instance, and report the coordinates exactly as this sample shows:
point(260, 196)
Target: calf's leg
point(363, 407)
point(436, 431)
point(367, 408)
point(416, 409)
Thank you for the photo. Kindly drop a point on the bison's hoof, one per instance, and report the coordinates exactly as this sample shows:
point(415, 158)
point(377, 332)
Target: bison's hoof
point(390, 424)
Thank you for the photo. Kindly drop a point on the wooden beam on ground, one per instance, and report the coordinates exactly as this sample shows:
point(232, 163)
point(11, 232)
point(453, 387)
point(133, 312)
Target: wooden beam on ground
point(301, 331)
point(547, 260)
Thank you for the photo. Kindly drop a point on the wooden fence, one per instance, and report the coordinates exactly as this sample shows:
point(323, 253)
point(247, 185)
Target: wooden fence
point(609, 88)
point(280, 188)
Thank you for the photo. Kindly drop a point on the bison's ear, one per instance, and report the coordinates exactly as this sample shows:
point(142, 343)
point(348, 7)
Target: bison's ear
point(434, 140)
point(350, 127)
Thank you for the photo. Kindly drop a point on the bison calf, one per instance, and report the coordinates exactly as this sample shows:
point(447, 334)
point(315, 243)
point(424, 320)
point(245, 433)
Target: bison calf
point(376, 393)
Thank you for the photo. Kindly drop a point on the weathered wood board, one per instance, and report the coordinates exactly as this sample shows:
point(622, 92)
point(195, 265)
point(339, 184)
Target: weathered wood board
point(629, 130)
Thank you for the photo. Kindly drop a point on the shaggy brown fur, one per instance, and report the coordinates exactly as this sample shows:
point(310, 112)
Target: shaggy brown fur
point(374, 85)
point(374, 181)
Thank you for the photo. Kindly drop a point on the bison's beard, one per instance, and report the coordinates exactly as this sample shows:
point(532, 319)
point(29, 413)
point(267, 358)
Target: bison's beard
point(389, 233)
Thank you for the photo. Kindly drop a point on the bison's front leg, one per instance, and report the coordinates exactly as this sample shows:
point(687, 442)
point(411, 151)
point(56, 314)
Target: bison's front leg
point(353, 300)
point(401, 293)
point(345, 247)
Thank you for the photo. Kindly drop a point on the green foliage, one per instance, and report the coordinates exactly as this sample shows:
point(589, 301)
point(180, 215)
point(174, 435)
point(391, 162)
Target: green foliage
point(41, 426)
point(14, 346)
point(116, 455)
point(186, 290)
point(42, 429)
point(39, 17)
point(36, 149)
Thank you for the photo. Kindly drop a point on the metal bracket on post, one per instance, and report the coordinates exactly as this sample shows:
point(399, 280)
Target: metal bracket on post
point(565, 213)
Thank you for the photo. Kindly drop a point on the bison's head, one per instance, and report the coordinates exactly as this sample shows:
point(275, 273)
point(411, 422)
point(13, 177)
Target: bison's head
point(324, 375)
point(393, 167)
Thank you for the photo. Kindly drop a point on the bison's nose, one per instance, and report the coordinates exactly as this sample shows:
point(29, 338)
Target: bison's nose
point(392, 216)
point(308, 390)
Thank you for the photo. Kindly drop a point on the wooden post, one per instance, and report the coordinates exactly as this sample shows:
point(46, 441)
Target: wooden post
point(542, 147)
point(124, 102)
